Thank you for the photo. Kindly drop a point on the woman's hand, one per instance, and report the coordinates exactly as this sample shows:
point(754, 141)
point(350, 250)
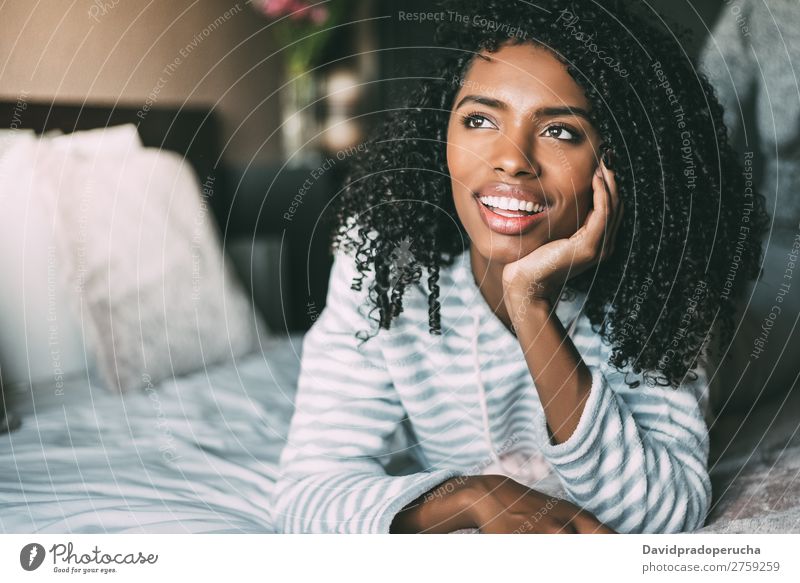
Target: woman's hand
point(541, 274)
point(501, 505)
point(492, 504)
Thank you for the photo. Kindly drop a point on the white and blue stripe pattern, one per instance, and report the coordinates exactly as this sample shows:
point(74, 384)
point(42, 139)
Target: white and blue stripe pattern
point(464, 403)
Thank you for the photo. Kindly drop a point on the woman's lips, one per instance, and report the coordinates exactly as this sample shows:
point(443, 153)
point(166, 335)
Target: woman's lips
point(508, 225)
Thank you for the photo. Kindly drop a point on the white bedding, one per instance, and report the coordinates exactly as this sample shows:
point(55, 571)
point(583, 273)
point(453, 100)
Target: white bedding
point(200, 454)
point(196, 454)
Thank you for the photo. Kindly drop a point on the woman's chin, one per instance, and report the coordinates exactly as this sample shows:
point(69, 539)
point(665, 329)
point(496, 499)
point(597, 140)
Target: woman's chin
point(509, 250)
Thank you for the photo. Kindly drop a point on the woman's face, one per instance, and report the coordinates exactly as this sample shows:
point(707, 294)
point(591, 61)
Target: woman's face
point(519, 137)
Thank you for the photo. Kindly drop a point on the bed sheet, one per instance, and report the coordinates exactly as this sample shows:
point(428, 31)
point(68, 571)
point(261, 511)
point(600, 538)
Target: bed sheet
point(195, 454)
point(199, 454)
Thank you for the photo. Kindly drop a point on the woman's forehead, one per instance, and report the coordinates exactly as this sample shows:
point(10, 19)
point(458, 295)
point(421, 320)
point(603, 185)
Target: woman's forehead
point(526, 76)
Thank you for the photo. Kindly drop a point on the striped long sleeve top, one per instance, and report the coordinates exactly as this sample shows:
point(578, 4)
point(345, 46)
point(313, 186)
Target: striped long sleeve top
point(380, 423)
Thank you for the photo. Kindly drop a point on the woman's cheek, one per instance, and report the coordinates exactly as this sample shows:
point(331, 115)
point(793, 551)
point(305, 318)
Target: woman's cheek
point(582, 176)
point(573, 207)
point(461, 162)
point(583, 204)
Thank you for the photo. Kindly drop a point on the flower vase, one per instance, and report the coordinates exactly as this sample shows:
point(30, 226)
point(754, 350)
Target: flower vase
point(299, 131)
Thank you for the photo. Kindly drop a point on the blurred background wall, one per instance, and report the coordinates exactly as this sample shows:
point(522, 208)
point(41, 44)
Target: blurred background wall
point(229, 57)
point(116, 51)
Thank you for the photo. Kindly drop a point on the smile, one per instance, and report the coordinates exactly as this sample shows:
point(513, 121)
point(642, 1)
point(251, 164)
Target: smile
point(498, 204)
point(509, 216)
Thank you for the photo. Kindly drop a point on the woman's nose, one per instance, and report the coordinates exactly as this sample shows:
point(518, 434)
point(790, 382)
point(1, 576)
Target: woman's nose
point(513, 154)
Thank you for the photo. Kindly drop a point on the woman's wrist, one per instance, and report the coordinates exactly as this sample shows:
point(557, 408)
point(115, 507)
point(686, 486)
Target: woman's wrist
point(522, 290)
point(476, 497)
point(523, 307)
point(447, 507)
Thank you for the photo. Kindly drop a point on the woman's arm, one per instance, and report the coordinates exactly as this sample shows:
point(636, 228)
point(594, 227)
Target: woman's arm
point(531, 287)
point(346, 412)
point(635, 458)
point(560, 375)
point(638, 458)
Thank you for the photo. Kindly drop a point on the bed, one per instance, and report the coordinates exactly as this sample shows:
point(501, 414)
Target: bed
point(198, 452)
point(211, 462)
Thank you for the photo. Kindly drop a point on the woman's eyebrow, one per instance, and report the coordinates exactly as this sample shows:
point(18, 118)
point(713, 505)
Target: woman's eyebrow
point(565, 110)
point(487, 101)
point(540, 112)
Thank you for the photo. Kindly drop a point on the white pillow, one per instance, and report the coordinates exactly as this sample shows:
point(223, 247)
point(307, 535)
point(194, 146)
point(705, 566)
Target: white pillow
point(41, 342)
point(160, 297)
point(122, 138)
point(135, 238)
point(10, 138)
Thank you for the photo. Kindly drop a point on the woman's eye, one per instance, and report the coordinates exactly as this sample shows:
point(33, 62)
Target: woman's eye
point(562, 133)
point(477, 121)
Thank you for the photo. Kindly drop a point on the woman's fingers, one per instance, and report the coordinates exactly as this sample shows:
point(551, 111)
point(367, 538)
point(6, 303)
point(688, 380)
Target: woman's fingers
point(610, 188)
point(596, 237)
point(614, 209)
point(597, 221)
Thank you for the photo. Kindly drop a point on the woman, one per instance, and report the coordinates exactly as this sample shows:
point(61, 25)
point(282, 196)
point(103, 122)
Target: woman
point(568, 189)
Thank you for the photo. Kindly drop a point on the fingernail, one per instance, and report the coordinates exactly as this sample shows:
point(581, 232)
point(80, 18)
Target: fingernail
point(608, 158)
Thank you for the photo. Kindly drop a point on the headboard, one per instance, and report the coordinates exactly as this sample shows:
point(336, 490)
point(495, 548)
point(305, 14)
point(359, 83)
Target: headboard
point(190, 131)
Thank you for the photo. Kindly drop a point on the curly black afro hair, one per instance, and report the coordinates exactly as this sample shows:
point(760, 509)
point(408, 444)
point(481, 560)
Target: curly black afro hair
point(691, 234)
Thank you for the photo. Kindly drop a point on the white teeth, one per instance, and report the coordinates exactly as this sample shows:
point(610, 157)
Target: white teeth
point(511, 204)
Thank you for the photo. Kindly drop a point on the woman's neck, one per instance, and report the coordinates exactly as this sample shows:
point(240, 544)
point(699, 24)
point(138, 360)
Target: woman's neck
point(489, 279)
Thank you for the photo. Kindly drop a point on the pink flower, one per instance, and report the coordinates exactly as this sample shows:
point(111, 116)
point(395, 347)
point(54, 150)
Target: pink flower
point(296, 10)
point(319, 14)
point(275, 8)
